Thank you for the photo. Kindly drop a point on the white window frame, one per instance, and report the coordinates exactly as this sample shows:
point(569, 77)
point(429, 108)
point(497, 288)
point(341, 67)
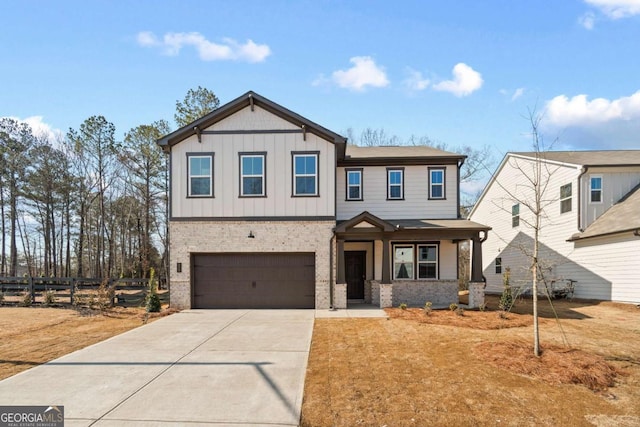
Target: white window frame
point(515, 217)
point(400, 185)
point(419, 262)
point(315, 175)
point(190, 176)
point(591, 189)
point(262, 176)
point(359, 173)
point(412, 263)
point(566, 198)
point(498, 265)
point(437, 184)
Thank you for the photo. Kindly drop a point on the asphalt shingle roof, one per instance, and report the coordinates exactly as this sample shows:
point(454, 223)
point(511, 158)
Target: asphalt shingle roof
point(590, 158)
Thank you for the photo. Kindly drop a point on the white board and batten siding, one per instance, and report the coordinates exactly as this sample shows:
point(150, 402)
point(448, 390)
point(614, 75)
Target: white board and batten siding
point(226, 147)
point(416, 203)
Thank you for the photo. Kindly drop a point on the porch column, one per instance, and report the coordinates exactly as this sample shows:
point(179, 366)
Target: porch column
point(386, 260)
point(341, 275)
point(476, 259)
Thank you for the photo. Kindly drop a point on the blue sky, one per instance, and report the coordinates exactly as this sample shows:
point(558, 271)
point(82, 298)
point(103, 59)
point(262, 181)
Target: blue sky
point(463, 72)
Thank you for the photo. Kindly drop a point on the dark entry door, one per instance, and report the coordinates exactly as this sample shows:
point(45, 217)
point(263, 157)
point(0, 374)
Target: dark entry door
point(355, 270)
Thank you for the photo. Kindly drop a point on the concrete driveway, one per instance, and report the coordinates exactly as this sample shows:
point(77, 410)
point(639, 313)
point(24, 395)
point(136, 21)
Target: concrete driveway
point(196, 367)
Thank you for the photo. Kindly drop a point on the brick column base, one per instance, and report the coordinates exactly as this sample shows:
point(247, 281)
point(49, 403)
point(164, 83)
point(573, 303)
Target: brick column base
point(340, 295)
point(386, 295)
point(476, 294)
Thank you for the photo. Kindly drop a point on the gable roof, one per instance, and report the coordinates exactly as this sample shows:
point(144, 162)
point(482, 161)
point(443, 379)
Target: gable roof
point(249, 99)
point(589, 158)
point(622, 217)
point(364, 217)
point(398, 154)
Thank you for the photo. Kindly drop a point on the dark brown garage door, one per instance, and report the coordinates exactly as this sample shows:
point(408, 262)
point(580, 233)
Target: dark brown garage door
point(250, 280)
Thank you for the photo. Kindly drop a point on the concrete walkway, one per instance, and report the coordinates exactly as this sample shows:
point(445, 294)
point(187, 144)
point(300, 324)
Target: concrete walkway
point(196, 368)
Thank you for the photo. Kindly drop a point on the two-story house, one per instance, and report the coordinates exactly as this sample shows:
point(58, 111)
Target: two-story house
point(590, 229)
point(271, 210)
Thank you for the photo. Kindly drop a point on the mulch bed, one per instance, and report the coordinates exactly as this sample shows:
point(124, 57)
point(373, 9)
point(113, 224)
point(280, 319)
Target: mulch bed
point(485, 320)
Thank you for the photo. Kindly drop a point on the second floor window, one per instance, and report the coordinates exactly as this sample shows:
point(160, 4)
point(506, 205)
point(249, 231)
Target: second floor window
point(305, 174)
point(565, 198)
point(252, 174)
point(200, 174)
point(515, 215)
point(354, 184)
point(436, 183)
point(595, 188)
point(395, 184)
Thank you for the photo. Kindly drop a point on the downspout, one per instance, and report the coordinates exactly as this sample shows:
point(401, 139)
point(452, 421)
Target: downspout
point(582, 172)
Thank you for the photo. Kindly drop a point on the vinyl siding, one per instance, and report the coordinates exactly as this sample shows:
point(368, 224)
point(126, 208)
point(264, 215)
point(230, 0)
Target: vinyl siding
point(416, 203)
point(615, 184)
point(226, 171)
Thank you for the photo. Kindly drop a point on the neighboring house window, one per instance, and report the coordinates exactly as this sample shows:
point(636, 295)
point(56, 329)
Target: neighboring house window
point(252, 174)
point(436, 183)
point(415, 261)
point(305, 174)
point(498, 265)
point(200, 175)
point(565, 198)
point(427, 261)
point(354, 184)
point(595, 189)
point(395, 184)
point(515, 215)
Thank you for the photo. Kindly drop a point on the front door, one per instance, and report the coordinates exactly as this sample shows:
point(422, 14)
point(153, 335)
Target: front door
point(355, 270)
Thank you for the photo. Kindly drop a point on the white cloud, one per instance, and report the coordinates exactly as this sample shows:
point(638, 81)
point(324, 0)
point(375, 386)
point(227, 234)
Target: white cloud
point(465, 81)
point(228, 50)
point(599, 122)
point(364, 73)
point(587, 20)
point(41, 129)
point(416, 81)
point(616, 9)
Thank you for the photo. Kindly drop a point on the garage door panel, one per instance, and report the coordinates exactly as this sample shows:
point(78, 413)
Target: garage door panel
point(252, 280)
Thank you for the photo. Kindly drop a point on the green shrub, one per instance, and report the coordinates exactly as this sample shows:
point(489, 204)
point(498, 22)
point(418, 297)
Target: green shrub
point(153, 300)
point(506, 299)
point(428, 307)
point(403, 306)
point(453, 306)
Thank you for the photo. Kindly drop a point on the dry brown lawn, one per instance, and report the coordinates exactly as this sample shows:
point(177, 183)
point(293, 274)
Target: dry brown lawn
point(31, 336)
point(471, 370)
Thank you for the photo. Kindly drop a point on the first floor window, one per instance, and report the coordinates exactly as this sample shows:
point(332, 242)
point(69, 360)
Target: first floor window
point(565, 198)
point(305, 174)
point(415, 261)
point(252, 173)
point(427, 261)
point(498, 265)
point(515, 215)
point(436, 183)
point(354, 184)
point(596, 189)
point(200, 173)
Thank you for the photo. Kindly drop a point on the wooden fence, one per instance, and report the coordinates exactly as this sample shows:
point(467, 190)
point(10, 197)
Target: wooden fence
point(71, 288)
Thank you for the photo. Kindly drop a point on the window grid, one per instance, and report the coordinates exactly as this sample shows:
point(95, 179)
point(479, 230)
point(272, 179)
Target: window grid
point(305, 174)
point(565, 198)
point(252, 175)
point(415, 261)
point(515, 215)
point(436, 183)
point(427, 261)
point(200, 175)
point(498, 265)
point(395, 184)
point(354, 184)
point(595, 189)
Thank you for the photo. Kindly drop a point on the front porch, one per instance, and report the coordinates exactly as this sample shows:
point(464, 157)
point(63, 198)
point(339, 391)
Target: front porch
point(390, 262)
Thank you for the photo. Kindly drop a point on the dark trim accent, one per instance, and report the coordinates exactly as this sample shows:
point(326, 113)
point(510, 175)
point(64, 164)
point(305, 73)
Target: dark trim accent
point(293, 172)
point(169, 178)
point(414, 245)
point(400, 161)
point(243, 101)
point(262, 154)
point(584, 170)
point(444, 183)
point(254, 218)
point(194, 154)
point(367, 217)
point(391, 169)
point(250, 132)
point(346, 184)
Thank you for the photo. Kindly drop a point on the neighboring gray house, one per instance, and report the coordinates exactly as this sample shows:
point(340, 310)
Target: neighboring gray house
point(591, 226)
point(271, 210)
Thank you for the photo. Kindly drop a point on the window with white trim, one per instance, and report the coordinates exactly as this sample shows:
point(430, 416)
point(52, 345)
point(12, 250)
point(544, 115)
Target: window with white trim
point(200, 175)
point(515, 215)
point(436, 183)
point(252, 174)
point(354, 184)
point(427, 261)
point(595, 189)
point(565, 198)
point(305, 174)
point(395, 184)
point(403, 262)
point(498, 265)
